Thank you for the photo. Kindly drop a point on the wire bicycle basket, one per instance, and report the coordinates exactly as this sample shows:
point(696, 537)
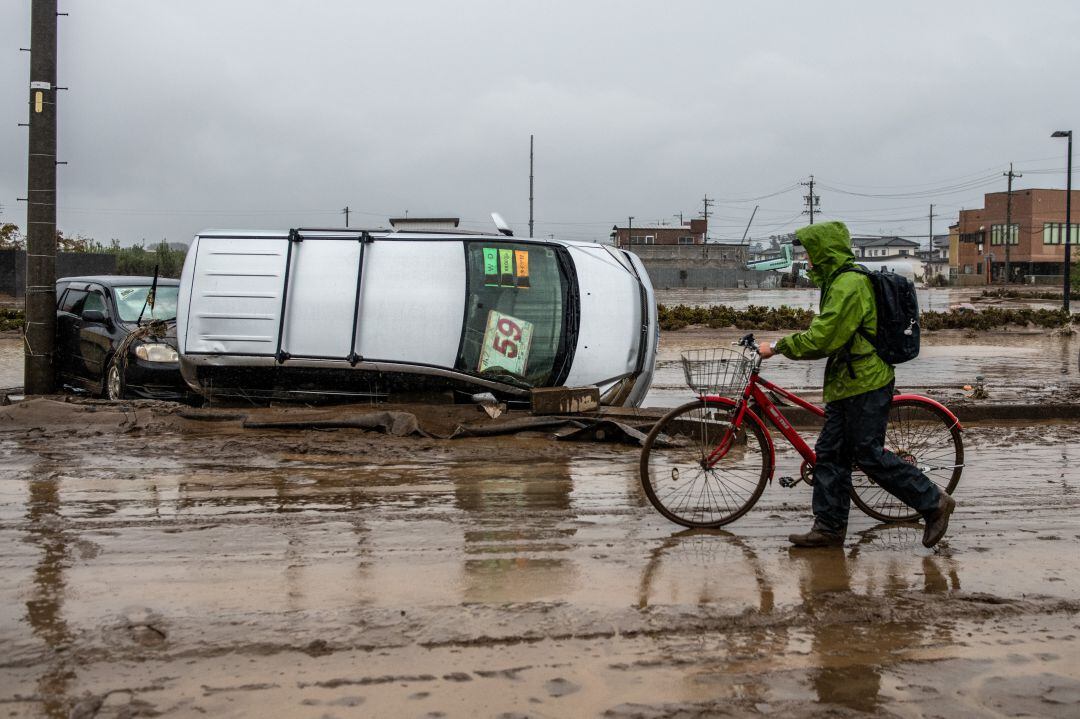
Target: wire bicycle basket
point(716, 371)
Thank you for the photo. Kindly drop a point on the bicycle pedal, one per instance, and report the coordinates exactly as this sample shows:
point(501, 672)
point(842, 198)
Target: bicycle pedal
point(788, 482)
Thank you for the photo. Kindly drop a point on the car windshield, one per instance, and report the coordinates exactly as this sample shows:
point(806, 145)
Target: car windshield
point(515, 315)
point(130, 301)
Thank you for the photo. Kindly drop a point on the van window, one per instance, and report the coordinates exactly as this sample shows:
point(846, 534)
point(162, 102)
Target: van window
point(515, 313)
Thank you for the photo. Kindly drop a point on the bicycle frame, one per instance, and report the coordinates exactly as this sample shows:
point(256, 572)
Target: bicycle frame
point(756, 388)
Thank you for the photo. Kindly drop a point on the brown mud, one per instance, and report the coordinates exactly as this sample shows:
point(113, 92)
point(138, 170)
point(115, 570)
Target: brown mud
point(158, 565)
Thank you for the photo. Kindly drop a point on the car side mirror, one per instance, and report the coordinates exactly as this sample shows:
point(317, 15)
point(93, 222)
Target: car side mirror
point(95, 316)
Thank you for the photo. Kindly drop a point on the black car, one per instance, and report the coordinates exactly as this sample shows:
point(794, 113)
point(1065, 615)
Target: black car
point(95, 317)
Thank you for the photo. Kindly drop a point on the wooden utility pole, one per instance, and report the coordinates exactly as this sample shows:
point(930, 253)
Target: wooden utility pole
point(346, 213)
point(813, 201)
point(40, 297)
point(1008, 221)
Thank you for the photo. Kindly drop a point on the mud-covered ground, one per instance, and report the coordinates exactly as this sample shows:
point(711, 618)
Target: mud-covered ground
point(154, 565)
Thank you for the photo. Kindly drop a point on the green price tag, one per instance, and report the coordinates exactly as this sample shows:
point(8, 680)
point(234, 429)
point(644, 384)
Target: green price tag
point(506, 268)
point(491, 267)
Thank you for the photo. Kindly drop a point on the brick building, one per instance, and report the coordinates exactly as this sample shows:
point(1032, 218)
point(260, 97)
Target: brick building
point(686, 234)
point(1035, 240)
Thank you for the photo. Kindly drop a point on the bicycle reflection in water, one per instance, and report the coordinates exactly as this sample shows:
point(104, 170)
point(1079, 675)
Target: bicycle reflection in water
point(842, 617)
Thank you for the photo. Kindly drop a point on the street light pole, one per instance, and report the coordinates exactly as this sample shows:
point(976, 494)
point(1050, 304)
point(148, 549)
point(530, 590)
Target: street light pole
point(1068, 216)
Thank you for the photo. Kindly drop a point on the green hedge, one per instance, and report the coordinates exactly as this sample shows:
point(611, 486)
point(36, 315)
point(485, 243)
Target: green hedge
point(789, 318)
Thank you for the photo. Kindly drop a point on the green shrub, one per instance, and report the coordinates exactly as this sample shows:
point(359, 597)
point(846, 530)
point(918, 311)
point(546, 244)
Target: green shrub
point(790, 318)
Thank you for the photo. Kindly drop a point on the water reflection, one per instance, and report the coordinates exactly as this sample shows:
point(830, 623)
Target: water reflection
point(703, 566)
point(44, 611)
point(517, 530)
point(851, 643)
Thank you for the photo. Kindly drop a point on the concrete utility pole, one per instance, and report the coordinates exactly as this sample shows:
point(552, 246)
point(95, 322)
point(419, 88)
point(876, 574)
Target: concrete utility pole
point(812, 201)
point(930, 247)
point(530, 185)
point(706, 213)
point(40, 298)
point(1008, 221)
point(346, 212)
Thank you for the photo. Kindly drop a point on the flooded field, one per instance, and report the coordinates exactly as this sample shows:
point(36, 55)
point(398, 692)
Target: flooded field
point(162, 567)
point(1017, 364)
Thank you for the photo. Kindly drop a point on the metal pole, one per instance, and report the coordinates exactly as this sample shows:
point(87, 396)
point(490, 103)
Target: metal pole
point(530, 185)
point(1068, 226)
point(40, 291)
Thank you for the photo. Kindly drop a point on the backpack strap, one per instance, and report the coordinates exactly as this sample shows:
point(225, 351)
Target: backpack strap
point(845, 355)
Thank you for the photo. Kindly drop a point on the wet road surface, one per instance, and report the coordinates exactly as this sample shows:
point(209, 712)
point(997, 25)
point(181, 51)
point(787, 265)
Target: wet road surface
point(213, 571)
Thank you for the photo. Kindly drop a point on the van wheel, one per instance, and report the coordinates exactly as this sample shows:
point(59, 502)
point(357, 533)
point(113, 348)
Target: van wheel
point(114, 382)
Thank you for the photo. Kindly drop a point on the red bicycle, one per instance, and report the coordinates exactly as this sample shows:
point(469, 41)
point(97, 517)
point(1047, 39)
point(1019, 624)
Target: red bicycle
point(705, 464)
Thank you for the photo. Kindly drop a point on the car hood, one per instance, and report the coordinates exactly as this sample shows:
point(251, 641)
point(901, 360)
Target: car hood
point(610, 327)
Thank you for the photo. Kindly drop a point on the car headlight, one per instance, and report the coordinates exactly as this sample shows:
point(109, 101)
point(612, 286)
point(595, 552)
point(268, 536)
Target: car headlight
point(156, 353)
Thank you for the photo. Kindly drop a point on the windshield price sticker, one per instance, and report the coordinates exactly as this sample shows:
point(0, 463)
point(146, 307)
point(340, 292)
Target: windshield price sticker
point(521, 260)
point(491, 267)
point(507, 341)
point(506, 268)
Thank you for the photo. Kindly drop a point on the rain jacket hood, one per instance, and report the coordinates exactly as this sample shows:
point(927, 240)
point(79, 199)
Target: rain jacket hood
point(828, 245)
point(847, 303)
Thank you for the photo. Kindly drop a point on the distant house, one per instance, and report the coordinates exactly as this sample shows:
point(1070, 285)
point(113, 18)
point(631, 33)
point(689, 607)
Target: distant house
point(685, 234)
point(424, 224)
point(876, 247)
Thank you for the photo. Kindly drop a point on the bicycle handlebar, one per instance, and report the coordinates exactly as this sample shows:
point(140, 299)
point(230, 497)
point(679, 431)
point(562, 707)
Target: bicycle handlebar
point(748, 342)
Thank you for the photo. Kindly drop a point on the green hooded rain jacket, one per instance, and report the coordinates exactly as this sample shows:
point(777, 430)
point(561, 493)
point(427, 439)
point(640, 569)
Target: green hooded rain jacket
point(847, 301)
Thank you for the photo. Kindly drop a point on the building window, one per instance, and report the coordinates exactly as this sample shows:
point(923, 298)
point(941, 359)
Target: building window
point(967, 269)
point(1054, 233)
point(642, 239)
point(686, 240)
point(975, 238)
point(903, 253)
point(997, 234)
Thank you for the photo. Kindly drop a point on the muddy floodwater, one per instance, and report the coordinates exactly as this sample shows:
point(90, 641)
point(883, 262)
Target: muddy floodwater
point(159, 567)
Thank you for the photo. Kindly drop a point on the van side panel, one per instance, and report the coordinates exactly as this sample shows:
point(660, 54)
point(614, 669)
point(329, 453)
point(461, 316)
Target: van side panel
point(322, 294)
point(236, 287)
point(413, 302)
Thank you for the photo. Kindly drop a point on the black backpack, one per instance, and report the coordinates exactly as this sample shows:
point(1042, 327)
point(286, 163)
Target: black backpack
point(897, 338)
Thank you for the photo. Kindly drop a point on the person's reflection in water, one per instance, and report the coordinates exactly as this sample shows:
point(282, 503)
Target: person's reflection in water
point(851, 655)
point(838, 679)
point(44, 610)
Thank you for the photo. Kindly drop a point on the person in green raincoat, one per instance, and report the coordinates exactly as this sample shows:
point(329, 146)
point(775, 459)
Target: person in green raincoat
point(858, 390)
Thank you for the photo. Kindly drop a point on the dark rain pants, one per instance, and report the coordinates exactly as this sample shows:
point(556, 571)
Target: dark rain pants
point(854, 433)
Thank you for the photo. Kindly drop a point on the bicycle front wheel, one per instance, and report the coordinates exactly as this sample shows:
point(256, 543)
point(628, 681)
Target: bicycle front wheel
point(675, 471)
point(918, 432)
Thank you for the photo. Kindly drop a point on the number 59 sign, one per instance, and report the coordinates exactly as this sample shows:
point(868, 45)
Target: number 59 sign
point(506, 343)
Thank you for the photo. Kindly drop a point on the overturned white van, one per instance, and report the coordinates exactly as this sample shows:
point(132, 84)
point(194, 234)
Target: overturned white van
point(372, 313)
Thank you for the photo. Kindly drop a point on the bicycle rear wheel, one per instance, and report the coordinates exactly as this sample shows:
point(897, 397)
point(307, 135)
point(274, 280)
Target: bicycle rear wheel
point(674, 471)
point(922, 434)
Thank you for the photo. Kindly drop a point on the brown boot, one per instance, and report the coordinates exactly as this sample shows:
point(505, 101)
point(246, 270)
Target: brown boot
point(938, 521)
point(817, 537)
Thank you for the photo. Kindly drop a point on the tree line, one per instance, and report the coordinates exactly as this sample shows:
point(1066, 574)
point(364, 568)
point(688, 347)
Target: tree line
point(136, 260)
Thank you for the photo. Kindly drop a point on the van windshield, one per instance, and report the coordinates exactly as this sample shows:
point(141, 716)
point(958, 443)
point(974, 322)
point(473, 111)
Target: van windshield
point(515, 322)
point(130, 301)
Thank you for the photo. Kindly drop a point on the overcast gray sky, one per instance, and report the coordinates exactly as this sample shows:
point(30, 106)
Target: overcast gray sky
point(192, 114)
